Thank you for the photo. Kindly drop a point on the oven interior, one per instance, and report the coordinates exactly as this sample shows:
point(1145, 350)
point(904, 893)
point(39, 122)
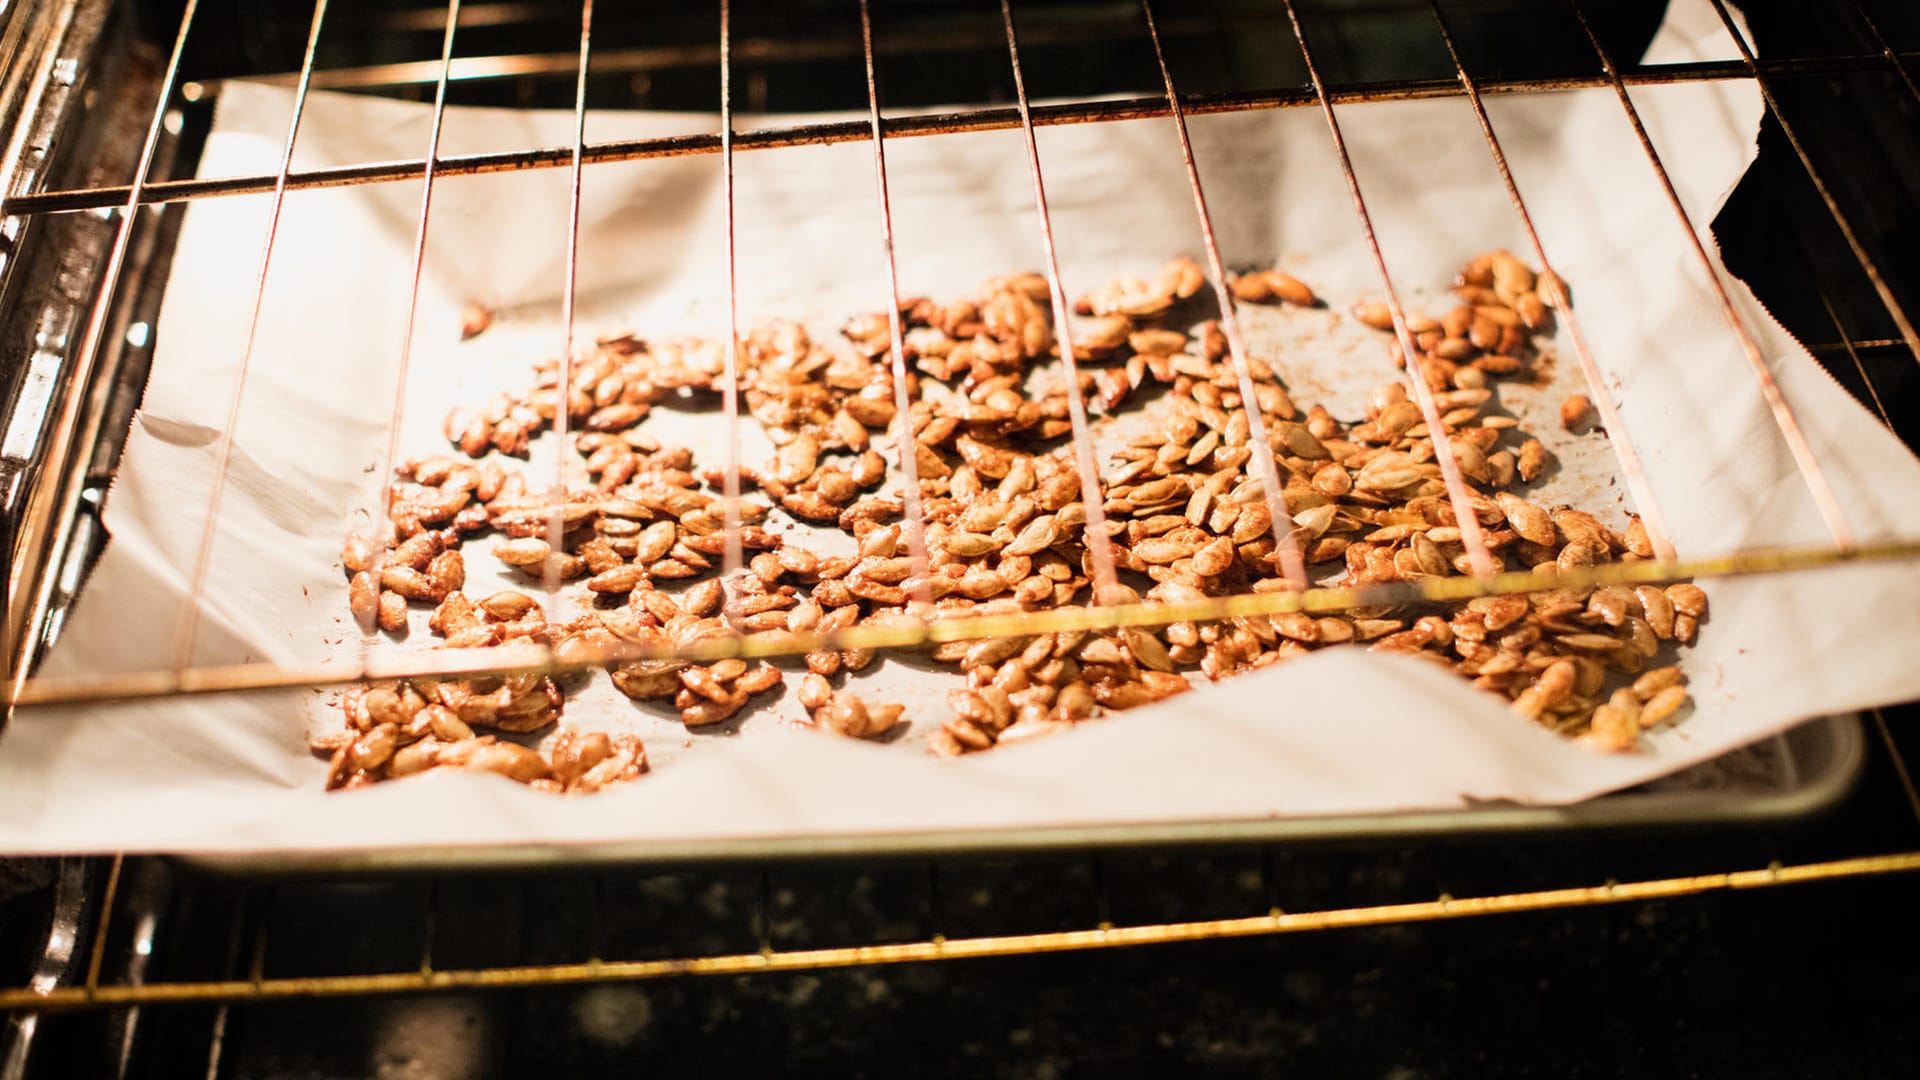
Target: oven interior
point(173, 971)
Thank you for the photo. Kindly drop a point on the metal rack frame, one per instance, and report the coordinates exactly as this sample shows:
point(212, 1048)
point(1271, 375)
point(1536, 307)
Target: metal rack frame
point(94, 990)
point(57, 494)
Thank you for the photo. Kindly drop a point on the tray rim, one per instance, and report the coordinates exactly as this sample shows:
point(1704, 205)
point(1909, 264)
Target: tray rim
point(1805, 792)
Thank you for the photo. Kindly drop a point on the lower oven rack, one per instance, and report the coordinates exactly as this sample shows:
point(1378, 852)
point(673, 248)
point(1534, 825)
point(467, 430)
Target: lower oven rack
point(431, 930)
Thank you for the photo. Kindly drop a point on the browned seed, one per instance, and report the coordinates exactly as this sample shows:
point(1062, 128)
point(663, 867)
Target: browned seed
point(1147, 649)
point(1037, 535)
point(989, 652)
point(1533, 460)
point(1575, 411)
point(511, 760)
point(654, 542)
point(887, 571)
point(1613, 604)
point(1595, 643)
point(1525, 517)
point(416, 551)
point(815, 691)
point(522, 551)
point(1657, 609)
point(1688, 599)
point(797, 560)
point(358, 553)
point(1377, 315)
point(1161, 551)
point(1332, 480)
point(970, 545)
point(980, 585)
point(1214, 558)
point(1656, 680)
point(759, 679)
point(444, 724)
point(447, 572)
point(620, 579)
point(648, 679)
point(1290, 289)
point(704, 600)
point(1662, 705)
point(616, 417)
point(699, 711)
point(393, 612)
point(1329, 629)
point(1636, 539)
point(1612, 731)
point(1159, 492)
point(474, 320)
point(1162, 342)
point(1252, 288)
point(363, 599)
point(411, 584)
point(849, 715)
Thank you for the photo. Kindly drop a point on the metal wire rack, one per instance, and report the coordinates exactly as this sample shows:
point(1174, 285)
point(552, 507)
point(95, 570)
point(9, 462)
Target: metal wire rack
point(55, 500)
point(111, 906)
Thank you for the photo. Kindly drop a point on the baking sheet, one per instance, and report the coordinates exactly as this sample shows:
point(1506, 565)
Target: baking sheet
point(1341, 732)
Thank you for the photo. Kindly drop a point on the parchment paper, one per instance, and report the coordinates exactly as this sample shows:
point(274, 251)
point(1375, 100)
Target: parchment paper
point(1341, 731)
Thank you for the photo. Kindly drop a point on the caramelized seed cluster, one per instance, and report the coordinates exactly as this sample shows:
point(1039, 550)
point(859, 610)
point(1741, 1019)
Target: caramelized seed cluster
point(1005, 527)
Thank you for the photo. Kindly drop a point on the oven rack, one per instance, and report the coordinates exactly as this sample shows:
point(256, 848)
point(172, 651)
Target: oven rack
point(54, 491)
point(105, 919)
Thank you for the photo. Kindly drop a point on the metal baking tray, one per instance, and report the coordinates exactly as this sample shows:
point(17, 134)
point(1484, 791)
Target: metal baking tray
point(1799, 773)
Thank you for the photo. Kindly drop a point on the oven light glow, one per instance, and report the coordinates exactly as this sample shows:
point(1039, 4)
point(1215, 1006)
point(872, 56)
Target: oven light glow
point(143, 935)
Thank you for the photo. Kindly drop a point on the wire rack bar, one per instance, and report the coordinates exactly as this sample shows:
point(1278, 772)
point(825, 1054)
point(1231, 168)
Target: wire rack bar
point(1472, 536)
point(905, 448)
point(1291, 562)
point(223, 453)
point(733, 556)
point(385, 475)
point(951, 36)
point(1894, 59)
point(1862, 344)
point(1764, 80)
point(1811, 471)
point(563, 407)
point(763, 52)
point(97, 953)
point(1898, 760)
point(997, 118)
point(1853, 353)
point(1894, 757)
point(910, 633)
point(1100, 541)
point(776, 960)
point(1617, 438)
